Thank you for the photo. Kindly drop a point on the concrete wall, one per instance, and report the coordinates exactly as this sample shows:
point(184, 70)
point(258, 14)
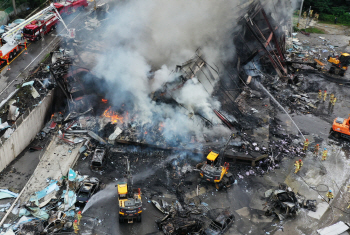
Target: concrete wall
point(27, 126)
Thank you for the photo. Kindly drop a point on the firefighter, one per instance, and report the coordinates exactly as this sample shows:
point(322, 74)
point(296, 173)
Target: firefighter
point(324, 96)
point(320, 94)
point(317, 148)
point(330, 195)
point(75, 226)
point(334, 101)
point(306, 145)
point(331, 97)
point(316, 16)
point(297, 166)
point(304, 14)
point(79, 217)
point(324, 154)
point(300, 163)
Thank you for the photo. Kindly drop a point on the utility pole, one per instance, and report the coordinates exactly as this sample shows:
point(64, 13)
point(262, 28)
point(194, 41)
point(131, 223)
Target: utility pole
point(308, 17)
point(301, 9)
point(14, 6)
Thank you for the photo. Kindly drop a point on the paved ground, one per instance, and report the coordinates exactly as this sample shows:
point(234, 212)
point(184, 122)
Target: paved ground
point(54, 164)
point(17, 174)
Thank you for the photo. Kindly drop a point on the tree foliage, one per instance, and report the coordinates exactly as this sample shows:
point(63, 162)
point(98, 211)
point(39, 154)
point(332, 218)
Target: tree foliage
point(332, 7)
point(31, 3)
point(329, 9)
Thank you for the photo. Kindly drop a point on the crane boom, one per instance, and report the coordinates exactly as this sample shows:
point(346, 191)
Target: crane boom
point(9, 36)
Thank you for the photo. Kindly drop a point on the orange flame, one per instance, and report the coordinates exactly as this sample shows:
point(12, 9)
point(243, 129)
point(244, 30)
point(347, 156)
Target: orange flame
point(52, 115)
point(161, 126)
point(104, 101)
point(112, 115)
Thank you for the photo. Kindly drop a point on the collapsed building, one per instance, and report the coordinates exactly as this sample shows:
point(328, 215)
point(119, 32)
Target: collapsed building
point(84, 116)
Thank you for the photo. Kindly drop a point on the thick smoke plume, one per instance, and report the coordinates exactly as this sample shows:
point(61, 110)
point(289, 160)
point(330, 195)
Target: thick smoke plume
point(145, 40)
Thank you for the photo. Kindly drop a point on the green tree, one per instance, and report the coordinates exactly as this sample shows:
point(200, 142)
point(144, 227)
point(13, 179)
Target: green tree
point(333, 7)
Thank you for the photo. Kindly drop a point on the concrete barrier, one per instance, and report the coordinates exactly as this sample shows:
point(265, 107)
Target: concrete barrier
point(26, 128)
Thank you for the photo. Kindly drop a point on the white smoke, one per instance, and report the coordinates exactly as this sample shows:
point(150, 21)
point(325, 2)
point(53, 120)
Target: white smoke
point(162, 76)
point(145, 40)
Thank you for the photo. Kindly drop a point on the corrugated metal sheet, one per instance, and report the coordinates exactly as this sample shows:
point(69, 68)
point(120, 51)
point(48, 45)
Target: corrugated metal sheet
point(334, 229)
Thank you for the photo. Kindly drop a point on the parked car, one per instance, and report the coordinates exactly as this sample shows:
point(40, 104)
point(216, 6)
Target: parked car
point(18, 21)
point(98, 158)
point(86, 190)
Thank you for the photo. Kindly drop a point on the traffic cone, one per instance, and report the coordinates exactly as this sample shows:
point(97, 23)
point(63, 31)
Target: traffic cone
point(8, 68)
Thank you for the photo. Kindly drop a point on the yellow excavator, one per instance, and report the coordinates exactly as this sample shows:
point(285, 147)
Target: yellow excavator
point(130, 203)
point(339, 65)
point(213, 171)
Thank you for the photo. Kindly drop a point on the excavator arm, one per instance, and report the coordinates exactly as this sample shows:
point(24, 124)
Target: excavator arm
point(222, 151)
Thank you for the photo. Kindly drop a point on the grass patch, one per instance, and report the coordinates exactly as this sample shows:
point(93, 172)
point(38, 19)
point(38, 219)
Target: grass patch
point(313, 30)
point(332, 22)
point(45, 58)
point(309, 30)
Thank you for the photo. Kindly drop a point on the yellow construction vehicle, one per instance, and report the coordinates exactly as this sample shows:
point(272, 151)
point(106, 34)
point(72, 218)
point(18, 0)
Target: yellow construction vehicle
point(130, 202)
point(213, 171)
point(339, 65)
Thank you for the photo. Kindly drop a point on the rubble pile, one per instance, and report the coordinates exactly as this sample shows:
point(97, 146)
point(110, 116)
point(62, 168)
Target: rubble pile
point(53, 209)
point(29, 94)
point(283, 202)
point(301, 51)
point(194, 217)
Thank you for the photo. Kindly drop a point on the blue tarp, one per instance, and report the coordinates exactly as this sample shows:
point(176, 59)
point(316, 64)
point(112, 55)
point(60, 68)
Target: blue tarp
point(72, 175)
point(4, 193)
point(38, 213)
point(28, 83)
point(38, 195)
point(69, 199)
point(4, 126)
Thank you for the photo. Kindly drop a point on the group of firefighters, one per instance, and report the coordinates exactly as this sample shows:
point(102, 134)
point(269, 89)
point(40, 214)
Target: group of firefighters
point(76, 223)
point(299, 164)
point(332, 98)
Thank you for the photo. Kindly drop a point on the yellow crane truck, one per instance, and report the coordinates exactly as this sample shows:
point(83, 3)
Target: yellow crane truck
point(130, 202)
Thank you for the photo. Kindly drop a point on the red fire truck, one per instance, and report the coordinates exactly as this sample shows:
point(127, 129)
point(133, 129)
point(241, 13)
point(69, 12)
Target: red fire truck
point(40, 26)
point(42, 22)
point(66, 7)
point(8, 52)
